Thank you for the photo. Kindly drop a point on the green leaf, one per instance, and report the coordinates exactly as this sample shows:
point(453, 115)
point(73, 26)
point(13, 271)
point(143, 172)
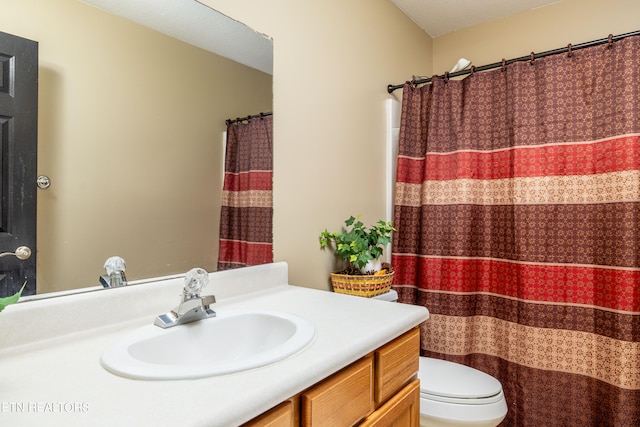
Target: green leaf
point(4, 302)
point(356, 243)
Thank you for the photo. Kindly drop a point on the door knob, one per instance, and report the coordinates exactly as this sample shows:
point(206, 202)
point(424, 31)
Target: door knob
point(43, 182)
point(22, 253)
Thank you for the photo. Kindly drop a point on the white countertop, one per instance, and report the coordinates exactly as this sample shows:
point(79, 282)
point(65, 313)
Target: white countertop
point(50, 371)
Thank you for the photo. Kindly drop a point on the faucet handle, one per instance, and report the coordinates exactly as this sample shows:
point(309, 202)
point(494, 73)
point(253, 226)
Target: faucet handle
point(194, 281)
point(113, 264)
point(115, 276)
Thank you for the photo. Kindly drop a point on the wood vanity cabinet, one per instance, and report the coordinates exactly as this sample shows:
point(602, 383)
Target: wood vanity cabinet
point(381, 389)
point(283, 415)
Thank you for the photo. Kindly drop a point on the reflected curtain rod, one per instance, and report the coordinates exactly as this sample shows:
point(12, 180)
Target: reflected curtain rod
point(533, 56)
point(242, 119)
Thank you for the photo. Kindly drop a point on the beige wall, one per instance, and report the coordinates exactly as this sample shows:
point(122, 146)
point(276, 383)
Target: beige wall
point(332, 62)
point(539, 30)
point(130, 132)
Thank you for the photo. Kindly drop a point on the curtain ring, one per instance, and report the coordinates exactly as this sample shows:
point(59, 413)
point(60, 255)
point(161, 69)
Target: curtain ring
point(473, 70)
point(533, 58)
point(504, 64)
point(446, 76)
point(569, 52)
point(610, 40)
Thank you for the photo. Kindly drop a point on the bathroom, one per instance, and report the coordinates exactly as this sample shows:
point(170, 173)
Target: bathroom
point(332, 62)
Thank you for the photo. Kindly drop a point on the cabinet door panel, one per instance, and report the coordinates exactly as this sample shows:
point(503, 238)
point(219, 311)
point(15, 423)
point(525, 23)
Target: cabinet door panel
point(402, 410)
point(342, 400)
point(283, 415)
point(396, 364)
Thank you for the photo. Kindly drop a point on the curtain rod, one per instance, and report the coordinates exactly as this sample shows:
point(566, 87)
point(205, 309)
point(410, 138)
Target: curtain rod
point(610, 39)
point(242, 119)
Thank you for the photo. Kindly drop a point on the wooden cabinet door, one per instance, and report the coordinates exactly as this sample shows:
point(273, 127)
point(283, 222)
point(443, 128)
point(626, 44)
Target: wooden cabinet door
point(402, 410)
point(283, 415)
point(344, 399)
point(396, 364)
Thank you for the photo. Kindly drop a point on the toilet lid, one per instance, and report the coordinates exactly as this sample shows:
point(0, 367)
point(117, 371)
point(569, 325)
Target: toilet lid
point(441, 378)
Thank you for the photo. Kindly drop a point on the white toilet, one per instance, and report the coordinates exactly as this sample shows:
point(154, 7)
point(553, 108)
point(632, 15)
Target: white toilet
point(453, 395)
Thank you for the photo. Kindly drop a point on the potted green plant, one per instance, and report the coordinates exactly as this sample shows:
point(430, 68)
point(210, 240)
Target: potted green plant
point(361, 247)
point(4, 302)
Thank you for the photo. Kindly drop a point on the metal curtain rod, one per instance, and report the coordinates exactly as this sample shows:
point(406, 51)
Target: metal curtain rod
point(242, 119)
point(610, 39)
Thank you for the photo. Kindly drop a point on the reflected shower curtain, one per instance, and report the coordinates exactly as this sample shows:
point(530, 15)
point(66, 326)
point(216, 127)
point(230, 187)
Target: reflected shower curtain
point(518, 215)
point(246, 236)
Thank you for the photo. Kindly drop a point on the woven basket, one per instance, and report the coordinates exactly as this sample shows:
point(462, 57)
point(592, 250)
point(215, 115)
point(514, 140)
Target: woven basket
point(366, 285)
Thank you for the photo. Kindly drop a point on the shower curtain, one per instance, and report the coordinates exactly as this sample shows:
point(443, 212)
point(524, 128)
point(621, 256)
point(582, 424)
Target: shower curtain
point(246, 218)
point(518, 215)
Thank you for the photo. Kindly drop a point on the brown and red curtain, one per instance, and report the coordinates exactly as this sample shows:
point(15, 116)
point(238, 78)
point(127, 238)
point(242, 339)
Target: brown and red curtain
point(246, 220)
point(518, 215)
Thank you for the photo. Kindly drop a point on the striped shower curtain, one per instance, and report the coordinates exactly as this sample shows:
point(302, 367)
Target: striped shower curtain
point(518, 215)
point(246, 236)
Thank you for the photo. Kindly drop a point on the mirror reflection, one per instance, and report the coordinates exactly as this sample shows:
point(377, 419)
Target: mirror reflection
point(130, 131)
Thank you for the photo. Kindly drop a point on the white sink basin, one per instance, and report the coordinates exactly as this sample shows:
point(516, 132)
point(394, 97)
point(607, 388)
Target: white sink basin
point(232, 341)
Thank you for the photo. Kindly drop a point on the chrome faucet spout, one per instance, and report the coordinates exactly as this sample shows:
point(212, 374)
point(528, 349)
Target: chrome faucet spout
point(193, 307)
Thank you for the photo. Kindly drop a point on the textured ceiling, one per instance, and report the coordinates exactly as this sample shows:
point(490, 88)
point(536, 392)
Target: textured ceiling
point(439, 17)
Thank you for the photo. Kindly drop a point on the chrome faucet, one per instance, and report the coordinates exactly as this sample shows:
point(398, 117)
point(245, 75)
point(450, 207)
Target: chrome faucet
point(115, 277)
point(193, 306)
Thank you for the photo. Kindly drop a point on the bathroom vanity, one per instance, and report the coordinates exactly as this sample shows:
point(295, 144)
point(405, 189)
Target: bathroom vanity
point(360, 367)
point(381, 389)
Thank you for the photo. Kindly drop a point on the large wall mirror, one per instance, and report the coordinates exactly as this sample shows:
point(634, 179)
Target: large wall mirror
point(130, 132)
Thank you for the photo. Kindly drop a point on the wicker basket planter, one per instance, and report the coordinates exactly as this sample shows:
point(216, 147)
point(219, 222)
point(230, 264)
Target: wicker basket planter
point(360, 247)
point(364, 285)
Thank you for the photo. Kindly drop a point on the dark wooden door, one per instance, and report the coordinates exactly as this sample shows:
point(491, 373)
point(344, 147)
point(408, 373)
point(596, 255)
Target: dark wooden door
point(18, 160)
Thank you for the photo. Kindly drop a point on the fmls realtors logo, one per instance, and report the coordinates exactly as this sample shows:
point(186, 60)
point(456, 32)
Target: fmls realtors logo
point(43, 407)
